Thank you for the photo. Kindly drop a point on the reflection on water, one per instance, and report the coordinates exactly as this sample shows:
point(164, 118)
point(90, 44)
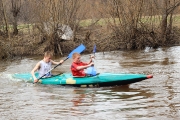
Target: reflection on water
point(156, 98)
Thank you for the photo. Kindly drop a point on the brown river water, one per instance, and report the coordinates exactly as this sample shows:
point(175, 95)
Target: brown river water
point(157, 98)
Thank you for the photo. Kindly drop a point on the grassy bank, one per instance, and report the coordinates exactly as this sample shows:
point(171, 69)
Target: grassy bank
point(146, 19)
point(103, 21)
point(31, 41)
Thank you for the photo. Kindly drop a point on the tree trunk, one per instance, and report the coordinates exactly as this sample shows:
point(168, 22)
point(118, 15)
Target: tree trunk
point(169, 28)
point(16, 5)
point(5, 18)
point(15, 32)
point(164, 21)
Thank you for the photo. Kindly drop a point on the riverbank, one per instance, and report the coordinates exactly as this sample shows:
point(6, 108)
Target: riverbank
point(36, 44)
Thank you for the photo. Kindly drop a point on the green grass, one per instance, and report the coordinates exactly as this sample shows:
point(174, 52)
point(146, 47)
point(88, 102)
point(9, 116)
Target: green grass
point(147, 20)
point(104, 21)
point(25, 26)
point(22, 27)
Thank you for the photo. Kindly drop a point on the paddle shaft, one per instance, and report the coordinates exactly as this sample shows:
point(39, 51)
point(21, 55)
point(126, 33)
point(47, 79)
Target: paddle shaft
point(79, 49)
point(52, 68)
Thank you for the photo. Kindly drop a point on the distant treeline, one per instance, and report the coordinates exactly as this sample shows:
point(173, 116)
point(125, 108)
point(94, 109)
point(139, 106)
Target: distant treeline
point(119, 24)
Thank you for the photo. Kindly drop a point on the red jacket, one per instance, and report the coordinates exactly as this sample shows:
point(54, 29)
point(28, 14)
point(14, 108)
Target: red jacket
point(76, 72)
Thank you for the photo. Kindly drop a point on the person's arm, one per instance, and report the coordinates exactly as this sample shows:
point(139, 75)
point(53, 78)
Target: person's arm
point(56, 63)
point(91, 59)
point(85, 66)
point(33, 71)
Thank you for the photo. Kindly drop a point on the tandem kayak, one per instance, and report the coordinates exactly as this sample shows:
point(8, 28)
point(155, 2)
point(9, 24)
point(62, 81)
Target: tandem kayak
point(102, 79)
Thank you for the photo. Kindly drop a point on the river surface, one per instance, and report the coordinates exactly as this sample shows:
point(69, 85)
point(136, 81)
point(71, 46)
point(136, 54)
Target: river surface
point(153, 99)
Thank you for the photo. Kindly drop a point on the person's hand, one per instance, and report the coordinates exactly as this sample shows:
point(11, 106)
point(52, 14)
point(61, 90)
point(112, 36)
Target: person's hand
point(35, 80)
point(61, 61)
point(92, 56)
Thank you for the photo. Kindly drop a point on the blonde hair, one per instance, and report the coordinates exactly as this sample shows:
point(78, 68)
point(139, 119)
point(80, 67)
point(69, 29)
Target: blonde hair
point(75, 55)
point(48, 54)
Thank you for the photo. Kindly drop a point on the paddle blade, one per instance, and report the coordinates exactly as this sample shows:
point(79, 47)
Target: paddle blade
point(94, 49)
point(79, 49)
point(91, 71)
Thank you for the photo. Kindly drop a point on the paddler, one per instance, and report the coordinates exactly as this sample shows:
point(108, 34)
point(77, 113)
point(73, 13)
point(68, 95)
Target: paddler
point(44, 66)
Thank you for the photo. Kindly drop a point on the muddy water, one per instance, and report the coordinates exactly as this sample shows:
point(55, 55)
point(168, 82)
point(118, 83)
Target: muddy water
point(156, 98)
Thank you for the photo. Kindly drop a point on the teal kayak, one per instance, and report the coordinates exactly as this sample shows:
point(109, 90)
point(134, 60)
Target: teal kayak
point(102, 79)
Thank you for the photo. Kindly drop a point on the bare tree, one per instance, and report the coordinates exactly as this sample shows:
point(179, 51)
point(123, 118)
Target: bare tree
point(126, 17)
point(4, 17)
point(52, 15)
point(167, 9)
point(16, 5)
point(135, 22)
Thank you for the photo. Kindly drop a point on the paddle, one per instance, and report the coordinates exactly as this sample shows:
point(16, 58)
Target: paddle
point(94, 50)
point(91, 70)
point(79, 49)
